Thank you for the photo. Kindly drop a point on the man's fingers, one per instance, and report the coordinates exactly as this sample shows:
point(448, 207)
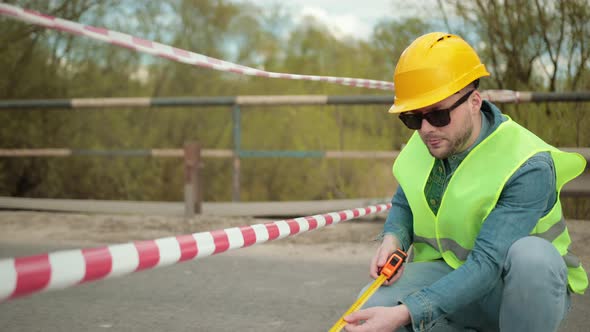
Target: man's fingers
point(355, 328)
point(383, 256)
point(356, 319)
point(357, 316)
point(395, 277)
point(379, 260)
point(373, 266)
point(376, 263)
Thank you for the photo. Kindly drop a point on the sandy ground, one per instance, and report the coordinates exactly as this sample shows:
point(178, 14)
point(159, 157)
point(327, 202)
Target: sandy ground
point(353, 238)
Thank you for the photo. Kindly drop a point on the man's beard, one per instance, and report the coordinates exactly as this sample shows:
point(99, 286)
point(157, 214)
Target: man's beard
point(458, 144)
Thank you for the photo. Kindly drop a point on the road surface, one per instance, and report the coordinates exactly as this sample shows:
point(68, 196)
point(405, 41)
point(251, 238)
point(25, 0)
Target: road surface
point(234, 291)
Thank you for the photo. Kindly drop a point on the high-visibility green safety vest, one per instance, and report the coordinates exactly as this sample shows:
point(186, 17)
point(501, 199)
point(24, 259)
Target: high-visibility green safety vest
point(474, 190)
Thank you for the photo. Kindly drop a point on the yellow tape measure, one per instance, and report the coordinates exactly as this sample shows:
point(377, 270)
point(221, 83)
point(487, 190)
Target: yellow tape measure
point(394, 262)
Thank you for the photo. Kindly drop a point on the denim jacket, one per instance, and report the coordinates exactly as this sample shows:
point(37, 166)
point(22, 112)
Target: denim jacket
point(527, 196)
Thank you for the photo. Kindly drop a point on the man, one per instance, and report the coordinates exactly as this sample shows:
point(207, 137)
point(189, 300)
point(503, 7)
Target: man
point(479, 203)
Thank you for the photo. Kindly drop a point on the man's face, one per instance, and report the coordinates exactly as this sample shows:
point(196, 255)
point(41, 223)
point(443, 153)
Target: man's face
point(460, 132)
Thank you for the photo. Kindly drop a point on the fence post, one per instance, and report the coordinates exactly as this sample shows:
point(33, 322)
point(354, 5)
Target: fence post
point(192, 181)
point(236, 157)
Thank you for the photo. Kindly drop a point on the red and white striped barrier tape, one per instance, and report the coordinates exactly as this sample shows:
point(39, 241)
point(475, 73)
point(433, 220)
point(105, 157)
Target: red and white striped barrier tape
point(22, 276)
point(169, 52)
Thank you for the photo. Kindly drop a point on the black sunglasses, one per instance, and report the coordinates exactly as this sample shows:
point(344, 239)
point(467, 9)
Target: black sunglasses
point(437, 118)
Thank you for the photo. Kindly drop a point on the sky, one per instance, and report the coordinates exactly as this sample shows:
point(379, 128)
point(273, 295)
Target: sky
point(348, 17)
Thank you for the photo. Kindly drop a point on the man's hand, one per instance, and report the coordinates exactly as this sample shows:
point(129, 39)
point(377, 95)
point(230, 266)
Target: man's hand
point(387, 247)
point(378, 319)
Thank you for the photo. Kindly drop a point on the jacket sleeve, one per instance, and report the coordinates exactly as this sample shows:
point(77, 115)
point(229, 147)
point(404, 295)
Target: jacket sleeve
point(399, 220)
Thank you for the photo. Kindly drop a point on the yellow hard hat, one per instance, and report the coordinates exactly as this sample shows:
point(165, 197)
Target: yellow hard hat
point(434, 66)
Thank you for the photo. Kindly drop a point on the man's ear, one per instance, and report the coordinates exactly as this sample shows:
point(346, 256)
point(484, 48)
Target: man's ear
point(476, 101)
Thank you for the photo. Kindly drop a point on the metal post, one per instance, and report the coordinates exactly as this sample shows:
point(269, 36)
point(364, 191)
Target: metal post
point(192, 182)
point(236, 157)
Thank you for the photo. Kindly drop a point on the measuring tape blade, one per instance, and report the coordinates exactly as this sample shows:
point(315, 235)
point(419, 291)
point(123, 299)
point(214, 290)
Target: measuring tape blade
point(359, 302)
point(394, 262)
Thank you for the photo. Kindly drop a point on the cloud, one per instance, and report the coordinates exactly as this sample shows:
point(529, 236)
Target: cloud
point(343, 18)
point(340, 25)
point(351, 18)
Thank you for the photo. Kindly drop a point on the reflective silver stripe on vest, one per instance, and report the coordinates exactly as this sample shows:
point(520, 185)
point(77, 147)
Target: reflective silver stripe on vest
point(553, 232)
point(570, 259)
point(447, 244)
point(429, 241)
point(453, 246)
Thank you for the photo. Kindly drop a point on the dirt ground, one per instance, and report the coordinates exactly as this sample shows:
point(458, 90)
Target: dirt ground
point(354, 238)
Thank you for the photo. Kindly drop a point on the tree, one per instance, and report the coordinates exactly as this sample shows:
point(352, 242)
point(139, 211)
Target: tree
point(531, 44)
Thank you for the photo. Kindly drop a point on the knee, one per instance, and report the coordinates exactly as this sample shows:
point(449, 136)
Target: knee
point(533, 257)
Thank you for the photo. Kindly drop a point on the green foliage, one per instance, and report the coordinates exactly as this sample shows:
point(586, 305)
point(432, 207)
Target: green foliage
point(42, 63)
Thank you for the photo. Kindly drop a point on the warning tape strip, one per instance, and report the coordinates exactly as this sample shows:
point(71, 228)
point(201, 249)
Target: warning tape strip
point(22, 276)
point(169, 52)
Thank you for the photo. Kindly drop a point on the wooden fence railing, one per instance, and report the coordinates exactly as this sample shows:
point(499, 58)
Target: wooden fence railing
point(192, 155)
point(192, 158)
